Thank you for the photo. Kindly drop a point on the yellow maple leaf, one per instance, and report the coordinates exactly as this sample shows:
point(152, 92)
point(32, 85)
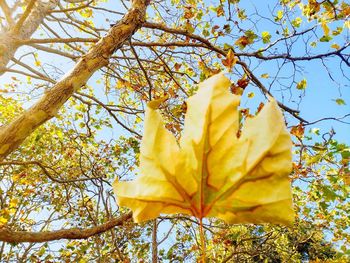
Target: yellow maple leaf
point(211, 172)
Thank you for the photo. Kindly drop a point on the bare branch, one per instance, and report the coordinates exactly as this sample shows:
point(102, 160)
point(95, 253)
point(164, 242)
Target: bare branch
point(108, 110)
point(56, 40)
point(7, 235)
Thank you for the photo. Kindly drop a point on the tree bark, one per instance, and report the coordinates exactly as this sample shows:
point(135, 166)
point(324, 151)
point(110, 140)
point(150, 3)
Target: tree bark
point(14, 133)
point(8, 235)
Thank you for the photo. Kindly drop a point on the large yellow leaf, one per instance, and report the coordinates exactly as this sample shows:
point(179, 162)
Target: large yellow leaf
point(211, 172)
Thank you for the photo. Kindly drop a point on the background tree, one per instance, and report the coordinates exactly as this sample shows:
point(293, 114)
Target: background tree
point(91, 66)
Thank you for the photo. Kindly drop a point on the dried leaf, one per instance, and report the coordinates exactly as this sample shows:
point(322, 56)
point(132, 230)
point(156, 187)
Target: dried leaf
point(230, 60)
point(211, 172)
point(243, 41)
point(236, 90)
point(298, 130)
point(243, 83)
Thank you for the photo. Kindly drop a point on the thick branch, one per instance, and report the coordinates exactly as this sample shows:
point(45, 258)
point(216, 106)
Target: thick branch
point(6, 9)
point(14, 133)
point(24, 16)
point(9, 40)
point(8, 235)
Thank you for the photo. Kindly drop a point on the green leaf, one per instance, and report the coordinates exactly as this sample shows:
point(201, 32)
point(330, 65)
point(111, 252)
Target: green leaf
point(326, 38)
point(324, 205)
point(251, 35)
point(297, 22)
point(205, 33)
point(340, 101)
point(266, 37)
point(241, 14)
point(345, 154)
point(328, 193)
point(316, 131)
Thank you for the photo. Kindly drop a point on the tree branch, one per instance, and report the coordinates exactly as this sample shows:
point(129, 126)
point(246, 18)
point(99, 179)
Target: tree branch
point(9, 40)
point(7, 235)
point(14, 133)
point(108, 110)
point(154, 242)
point(24, 16)
point(55, 40)
point(44, 169)
point(7, 12)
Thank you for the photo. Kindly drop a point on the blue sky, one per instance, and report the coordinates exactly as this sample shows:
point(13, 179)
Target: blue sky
point(318, 99)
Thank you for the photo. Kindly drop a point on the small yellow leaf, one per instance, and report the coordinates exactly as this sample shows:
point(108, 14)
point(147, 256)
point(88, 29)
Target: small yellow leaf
point(3, 220)
point(335, 46)
point(251, 95)
point(325, 28)
point(16, 177)
point(265, 75)
point(86, 12)
point(14, 202)
point(302, 84)
point(347, 24)
point(266, 37)
point(279, 15)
